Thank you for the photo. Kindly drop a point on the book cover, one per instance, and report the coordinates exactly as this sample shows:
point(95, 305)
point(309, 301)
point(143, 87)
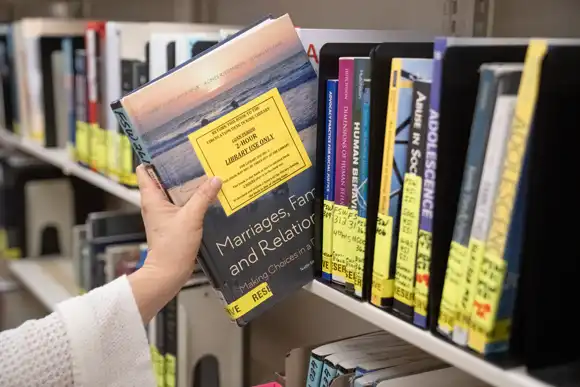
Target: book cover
point(250, 121)
point(403, 304)
point(116, 256)
point(329, 168)
point(355, 247)
point(81, 130)
point(458, 258)
point(343, 171)
point(494, 263)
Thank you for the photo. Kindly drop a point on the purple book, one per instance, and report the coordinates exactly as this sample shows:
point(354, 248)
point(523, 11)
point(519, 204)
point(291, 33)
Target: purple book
point(344, 132)
point(343, 168)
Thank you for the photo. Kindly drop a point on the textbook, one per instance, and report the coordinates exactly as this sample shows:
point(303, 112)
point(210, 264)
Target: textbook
point(244, 110)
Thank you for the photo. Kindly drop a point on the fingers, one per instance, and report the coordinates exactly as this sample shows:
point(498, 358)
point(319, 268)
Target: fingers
point(150, 190)
point(203, 197)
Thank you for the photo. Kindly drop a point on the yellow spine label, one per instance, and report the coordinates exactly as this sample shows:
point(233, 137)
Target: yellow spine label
point(452, 287)
point(327, 226)
point(249, 301)
point(351, 247)
point(390, 133)
point(170, 370)
point(82, 142)
point(37, 136)
point(98, 148)
point(407, 246)
point(254, 149)
point(113, 154)
point(71, 151)
point(422, 276)
point(382, 286)
point(478, 340)
point(339, 243)
point(493, 266)
point(465, 302)
point(360, 240)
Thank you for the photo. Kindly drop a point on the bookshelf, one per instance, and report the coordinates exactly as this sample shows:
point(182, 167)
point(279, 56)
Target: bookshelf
point(50, 280)
point(50, 287)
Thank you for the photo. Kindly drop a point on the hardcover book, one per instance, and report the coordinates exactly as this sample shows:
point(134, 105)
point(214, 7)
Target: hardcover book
point(244, 110)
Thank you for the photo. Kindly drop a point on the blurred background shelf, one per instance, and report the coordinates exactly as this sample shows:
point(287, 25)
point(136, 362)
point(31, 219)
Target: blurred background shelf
point(50, 280)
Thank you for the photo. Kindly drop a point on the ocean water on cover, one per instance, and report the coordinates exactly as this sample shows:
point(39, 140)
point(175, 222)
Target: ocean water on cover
point(296, 82)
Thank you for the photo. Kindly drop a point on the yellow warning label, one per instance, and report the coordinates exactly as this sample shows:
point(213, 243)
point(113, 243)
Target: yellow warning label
point(249, 301)
point(327, 225)
point(253, 149)
point(382, 286)
point(488, 293)
point(82, 142)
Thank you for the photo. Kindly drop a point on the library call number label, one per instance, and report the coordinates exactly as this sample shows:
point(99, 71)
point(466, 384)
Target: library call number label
point(253, 149)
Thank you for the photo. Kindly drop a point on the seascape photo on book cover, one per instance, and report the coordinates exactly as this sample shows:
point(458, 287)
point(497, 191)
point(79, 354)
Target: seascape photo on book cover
point(171, 152)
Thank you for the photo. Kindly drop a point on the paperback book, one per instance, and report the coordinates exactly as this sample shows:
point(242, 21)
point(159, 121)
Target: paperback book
point(252, 122)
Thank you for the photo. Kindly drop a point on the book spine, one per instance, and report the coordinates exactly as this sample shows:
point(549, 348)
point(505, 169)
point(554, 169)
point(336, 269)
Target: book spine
point(81, 127)
point(125, 123)
point(362, 189)
point(343, 176)
point(13, 79)
point(314, 376)
point(67, 49)
point(328, 374)
point(383, 277)
point(493, 266)
point(404, 301)
point(329, 168)
point(96, 142)
point(361, 71)
point(171, 310)
point(458, 259)
point(124, 147)
point(428, 192)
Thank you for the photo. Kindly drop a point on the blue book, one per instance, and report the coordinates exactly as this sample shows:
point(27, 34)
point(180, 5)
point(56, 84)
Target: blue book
point(69, 73)
point(329, 167)
point(244, 111)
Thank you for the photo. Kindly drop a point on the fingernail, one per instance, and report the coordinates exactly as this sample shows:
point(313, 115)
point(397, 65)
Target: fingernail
point(216, 182)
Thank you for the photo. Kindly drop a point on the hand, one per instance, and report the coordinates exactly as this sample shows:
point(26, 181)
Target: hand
point(173, 237)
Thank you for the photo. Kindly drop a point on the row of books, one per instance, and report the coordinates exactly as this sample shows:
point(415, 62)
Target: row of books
point(434, 178)
point(75, 68)
point(187, 347)
point(379, 359)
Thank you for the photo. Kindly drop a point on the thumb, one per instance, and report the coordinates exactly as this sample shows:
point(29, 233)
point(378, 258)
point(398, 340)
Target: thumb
point(206, 193)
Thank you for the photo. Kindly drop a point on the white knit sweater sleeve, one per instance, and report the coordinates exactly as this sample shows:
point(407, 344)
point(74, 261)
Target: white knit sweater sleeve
point(97, 339)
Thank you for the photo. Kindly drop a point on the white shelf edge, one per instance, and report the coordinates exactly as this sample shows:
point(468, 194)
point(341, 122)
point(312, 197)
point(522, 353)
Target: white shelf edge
point(59, 158)
point(43, 286)
point(424, 340)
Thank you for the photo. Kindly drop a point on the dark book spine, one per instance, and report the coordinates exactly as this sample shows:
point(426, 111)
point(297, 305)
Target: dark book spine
point(170, 327)
point(416, 160)
point(170, 52)
point(160, 346)
point(80, 90)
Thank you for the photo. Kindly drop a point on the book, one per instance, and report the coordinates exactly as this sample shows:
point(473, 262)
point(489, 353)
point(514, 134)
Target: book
point(445, 377)
point(98, 137)
point(403, 72)
point(363, 189)
point(494, 262)
point(343, 172)
point(412, 184)
point(116, 258)
point(13, 81)
point(7, 73)
point(329, 167)
point(457, 262)
point(81, 130)
point(274, 195)
point(355, 254)
point(505, 94)
point(373, 379)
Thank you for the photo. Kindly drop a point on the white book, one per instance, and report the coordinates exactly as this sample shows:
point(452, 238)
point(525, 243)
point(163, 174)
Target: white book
point(446, 377)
